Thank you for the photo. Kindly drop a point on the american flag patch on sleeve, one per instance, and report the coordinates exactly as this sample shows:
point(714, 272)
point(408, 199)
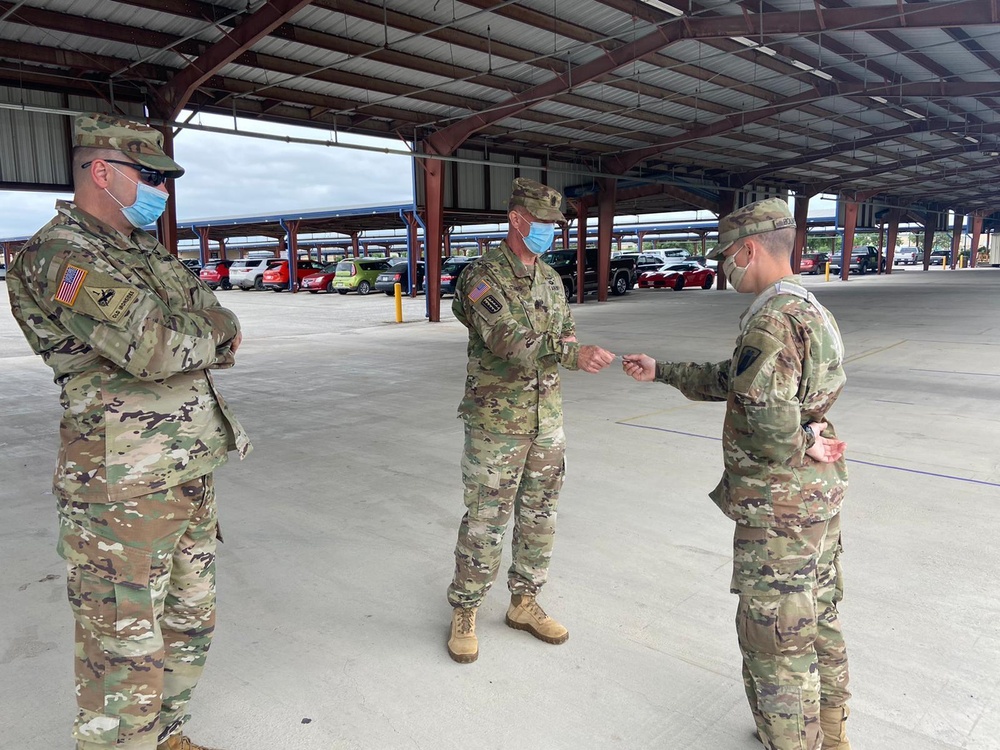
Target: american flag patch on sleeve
point(477, 294)
point(70, 287)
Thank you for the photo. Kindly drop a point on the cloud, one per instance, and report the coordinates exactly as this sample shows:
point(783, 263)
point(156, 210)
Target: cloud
point(230, 175)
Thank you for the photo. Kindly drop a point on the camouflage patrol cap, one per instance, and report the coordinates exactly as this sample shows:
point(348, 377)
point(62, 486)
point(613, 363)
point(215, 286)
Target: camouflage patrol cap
point(753, 218)
point(541, 201)
point(141, 143)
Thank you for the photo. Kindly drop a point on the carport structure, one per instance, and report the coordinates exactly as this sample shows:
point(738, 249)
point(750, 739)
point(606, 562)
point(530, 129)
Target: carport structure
point(635, 105)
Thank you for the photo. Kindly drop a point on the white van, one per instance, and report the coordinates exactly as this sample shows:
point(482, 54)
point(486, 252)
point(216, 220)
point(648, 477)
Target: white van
point(668, 254)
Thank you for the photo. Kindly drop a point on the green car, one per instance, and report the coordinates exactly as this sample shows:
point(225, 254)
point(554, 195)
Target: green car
point(358, 274)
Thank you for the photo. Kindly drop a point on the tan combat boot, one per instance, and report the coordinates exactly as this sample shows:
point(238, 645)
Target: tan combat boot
point(833, 722)
point(525, 614)
point(179, 742)
point(463, 646)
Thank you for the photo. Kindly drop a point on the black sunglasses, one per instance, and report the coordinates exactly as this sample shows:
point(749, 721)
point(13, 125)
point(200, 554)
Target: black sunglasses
point(147, 175)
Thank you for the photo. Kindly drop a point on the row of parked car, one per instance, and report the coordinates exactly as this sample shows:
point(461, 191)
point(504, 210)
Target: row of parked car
point(361, 275)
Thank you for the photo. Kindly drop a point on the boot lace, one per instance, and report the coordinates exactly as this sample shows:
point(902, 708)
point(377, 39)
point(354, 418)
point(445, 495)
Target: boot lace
point(534, 609)
point(465, 620)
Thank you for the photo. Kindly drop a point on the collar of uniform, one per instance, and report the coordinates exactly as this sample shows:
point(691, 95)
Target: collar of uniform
point(516, 264)
point(94, 225)
point(771, 290)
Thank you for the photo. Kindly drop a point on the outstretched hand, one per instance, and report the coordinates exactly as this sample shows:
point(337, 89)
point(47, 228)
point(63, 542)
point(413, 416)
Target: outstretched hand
point(639, 366)
point(594, 358)
point(825, 450)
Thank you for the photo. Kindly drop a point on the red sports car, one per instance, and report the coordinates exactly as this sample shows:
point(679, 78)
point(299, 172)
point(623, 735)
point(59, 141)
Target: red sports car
point(677, 277)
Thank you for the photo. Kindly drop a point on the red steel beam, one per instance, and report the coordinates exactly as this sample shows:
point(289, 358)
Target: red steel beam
point(881, 17)
point(274, 13)
point(628, 159)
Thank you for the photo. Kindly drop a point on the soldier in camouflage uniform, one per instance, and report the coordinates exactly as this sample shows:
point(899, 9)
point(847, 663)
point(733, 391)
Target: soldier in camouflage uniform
point(131, 336)
point(783, 484)
point(520, 331)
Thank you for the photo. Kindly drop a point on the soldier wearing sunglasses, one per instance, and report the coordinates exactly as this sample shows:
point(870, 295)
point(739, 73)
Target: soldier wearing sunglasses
point(131, 336)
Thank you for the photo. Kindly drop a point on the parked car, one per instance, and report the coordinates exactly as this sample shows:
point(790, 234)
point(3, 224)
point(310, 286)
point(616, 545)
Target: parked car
point(648, 262)
point(451, 269)
point(864, 259)
point(906, 256)
point(399, 273)
point(941, 257)
point(321, 281)
point(215, 273)
point(248, 273)
point(3, 272)
point(192, 264)
point(814, 263)
point(621, 278)
point(358, 274)
point(276, 277)
point(678, 276)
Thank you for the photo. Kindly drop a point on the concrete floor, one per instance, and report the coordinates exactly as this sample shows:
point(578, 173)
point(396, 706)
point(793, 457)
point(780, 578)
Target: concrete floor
point(340, 527)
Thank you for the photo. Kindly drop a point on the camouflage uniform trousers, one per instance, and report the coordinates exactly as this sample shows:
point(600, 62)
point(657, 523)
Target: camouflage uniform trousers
point(141, 582)
point(504, 475)
point(794, 659)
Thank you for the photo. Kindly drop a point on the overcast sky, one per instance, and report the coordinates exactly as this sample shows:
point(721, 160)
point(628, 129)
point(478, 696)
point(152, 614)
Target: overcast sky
point(236, 176)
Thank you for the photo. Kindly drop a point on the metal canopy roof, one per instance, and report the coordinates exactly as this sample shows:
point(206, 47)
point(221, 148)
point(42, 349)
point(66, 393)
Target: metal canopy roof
point(865, 98)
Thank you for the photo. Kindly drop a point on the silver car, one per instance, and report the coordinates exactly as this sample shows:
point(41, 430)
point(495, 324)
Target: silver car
point(248, 273)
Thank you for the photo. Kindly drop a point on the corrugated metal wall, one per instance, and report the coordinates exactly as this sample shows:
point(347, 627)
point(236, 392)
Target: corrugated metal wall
point(35, 147)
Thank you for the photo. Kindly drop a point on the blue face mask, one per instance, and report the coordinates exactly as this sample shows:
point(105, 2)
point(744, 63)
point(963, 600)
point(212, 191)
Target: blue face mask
point(539, 237)
point(148, 206)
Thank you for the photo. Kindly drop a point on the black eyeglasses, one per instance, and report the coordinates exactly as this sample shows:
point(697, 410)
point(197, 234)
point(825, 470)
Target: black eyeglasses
point(147, 175)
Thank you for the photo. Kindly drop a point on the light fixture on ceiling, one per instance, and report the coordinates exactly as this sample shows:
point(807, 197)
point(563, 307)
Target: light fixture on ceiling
point(664, 7)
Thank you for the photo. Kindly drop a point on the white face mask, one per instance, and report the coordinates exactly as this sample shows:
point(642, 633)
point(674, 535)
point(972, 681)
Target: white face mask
point(734, 272)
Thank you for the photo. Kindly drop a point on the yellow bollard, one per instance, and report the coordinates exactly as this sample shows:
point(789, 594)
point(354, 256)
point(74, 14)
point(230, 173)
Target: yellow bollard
point(828, 270)
point(398, 288)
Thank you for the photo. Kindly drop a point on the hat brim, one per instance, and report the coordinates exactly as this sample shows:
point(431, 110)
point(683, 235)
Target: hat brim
point(716, 252)
point(161, 163)
point(548, 214)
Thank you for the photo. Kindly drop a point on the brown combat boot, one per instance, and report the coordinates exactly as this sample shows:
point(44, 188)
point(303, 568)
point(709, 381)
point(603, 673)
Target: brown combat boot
point(179, 742)
point(463, 646)
point(525, 614)
point(833, 722)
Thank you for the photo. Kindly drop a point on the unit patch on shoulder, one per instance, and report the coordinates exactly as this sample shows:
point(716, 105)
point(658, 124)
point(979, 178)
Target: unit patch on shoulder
point(492, 304)
point(748, 355)
point(112, 302)
point(69, 287)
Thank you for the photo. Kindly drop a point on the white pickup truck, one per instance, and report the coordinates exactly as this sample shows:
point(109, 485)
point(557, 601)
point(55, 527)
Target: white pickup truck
point(906, 256)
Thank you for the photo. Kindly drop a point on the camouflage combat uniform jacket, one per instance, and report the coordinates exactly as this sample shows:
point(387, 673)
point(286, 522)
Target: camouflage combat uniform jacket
point(517, 318)
point(129, 333)
point(786, 371)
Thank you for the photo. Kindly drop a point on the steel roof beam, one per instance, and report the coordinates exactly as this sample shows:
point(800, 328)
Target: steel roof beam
point(262, 22)
point(963, 12)
point(628, 159)
point(935, 125)
point(847, 178)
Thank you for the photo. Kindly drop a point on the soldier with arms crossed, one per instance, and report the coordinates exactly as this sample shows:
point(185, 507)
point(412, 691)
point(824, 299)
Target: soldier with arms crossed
point(783, 483)
point(131, 336)
point(520, 332)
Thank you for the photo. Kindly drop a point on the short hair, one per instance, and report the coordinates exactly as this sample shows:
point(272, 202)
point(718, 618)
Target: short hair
point(778, 243)
point(83, 154)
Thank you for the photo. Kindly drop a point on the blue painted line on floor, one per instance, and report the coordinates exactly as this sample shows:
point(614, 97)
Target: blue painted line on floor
point(850, 460)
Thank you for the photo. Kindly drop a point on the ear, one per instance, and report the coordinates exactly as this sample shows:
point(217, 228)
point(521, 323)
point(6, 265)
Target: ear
point(100, 174)
point(752, 248)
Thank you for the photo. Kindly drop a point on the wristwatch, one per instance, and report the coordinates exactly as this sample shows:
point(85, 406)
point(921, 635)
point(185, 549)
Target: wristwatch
point(810, 436)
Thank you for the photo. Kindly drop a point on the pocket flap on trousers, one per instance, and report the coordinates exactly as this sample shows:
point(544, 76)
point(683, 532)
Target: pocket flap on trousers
point(107, 559)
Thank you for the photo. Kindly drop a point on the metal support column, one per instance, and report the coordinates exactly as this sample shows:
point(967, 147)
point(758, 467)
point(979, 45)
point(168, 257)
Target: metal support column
point(606, 201)
point(166, 225)
point(847, 250)
point(801, 220)
point(203, 249)
point(433, 175)
point(727, 200)
point(292, 231)
point(977, 230)
point(891, 238)
point(956, 239)
point(929, 222)
point(581, 247)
